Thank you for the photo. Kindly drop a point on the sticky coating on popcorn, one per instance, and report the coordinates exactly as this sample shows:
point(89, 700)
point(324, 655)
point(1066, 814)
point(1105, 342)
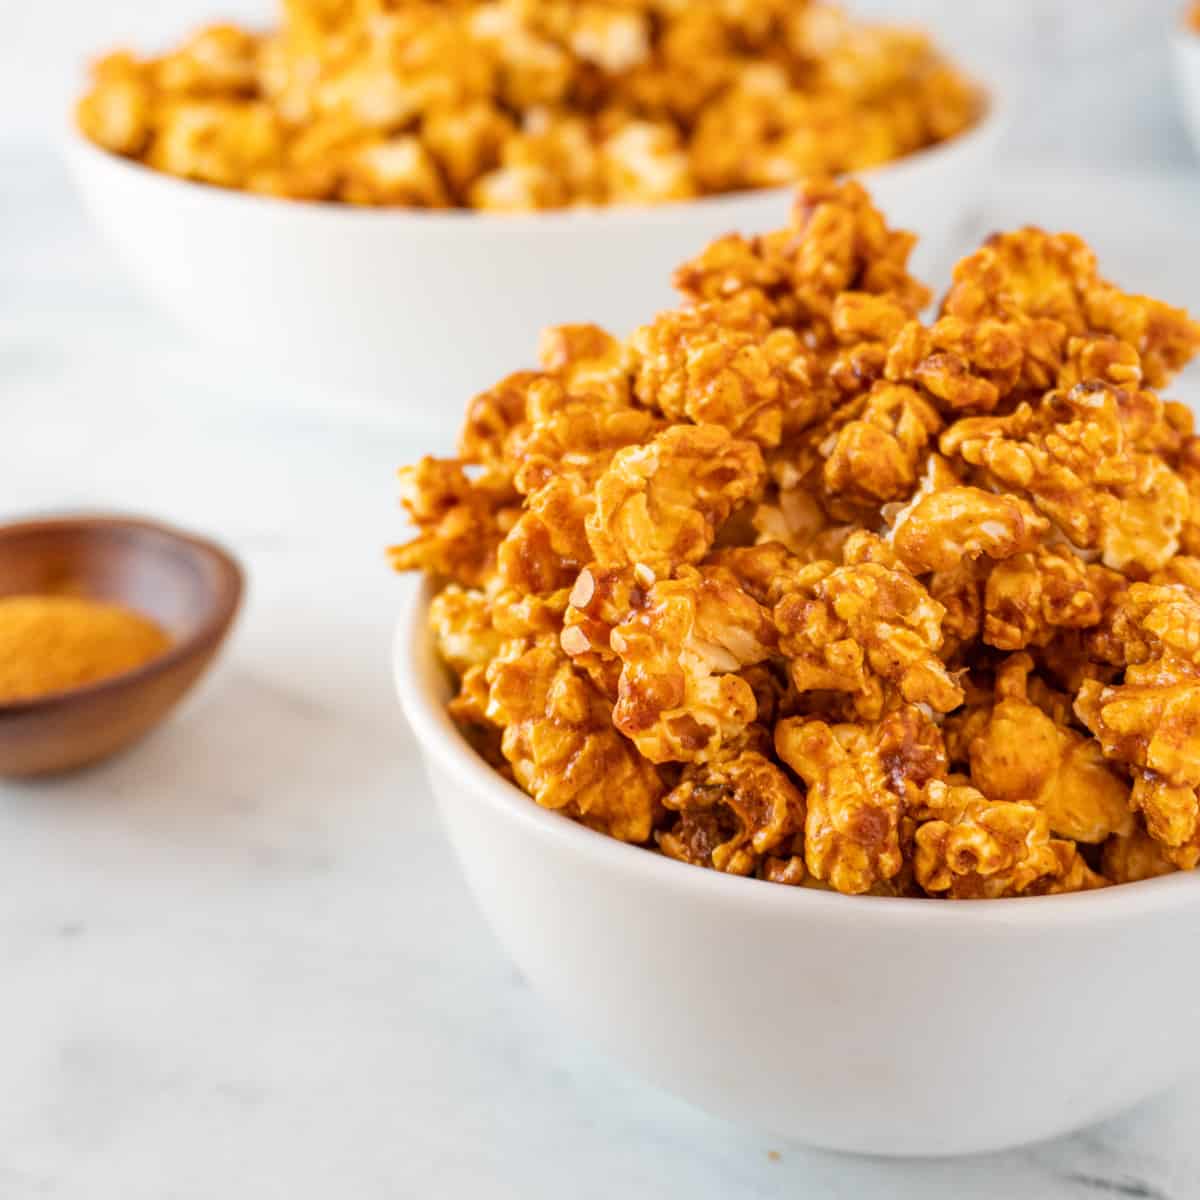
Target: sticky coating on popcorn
point(794, 584)
point(518, 105)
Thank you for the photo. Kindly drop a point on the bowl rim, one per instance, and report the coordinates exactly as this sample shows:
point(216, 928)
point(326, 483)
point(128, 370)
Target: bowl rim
point(209, 633)
point(443, 748)
point(80, 150)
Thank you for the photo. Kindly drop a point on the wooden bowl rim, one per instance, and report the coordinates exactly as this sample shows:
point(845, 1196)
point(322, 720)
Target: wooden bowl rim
point(225, 600)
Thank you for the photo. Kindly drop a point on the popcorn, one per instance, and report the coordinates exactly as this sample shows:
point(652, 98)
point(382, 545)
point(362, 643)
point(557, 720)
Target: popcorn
point(662, 503)
point(1030, 274)
point(733, 815)
point(545, 549)
point(216, 141)
point(1151, 719)
point(216, 61)
point(560, 741)
point(793, 585)
point(876, 456)
point(1019, 753)
point(462, 520)
point(599, 601)
point(693, 365)
point(116, 113)
point(576, 436)
point(461, 620)
point(510, 106)
point(948, 525)
point(644, 163)
point(614, 39)
point(1076, 456)
point(1134, 858)
point(466, 142)
point(397, 171)
point(680, 698)
point(969, 847)
point(590, 361)
point(867, 630)
point(1031, 596)
point(860, 780)
point(837, 244)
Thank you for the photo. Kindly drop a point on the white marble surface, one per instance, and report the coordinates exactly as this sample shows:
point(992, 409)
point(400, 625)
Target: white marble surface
point(239, 962)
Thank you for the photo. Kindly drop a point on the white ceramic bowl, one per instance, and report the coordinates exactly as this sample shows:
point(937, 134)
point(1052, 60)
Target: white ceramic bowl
point(898, 1027)
point(421, 309)
point(1185, 58)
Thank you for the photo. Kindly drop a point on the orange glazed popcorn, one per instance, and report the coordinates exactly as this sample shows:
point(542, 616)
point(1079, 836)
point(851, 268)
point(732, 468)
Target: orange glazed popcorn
point(796, 585)
point(511, 105)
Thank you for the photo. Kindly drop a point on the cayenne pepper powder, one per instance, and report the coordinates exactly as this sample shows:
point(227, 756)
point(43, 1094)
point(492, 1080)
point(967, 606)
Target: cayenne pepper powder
point(54, 643)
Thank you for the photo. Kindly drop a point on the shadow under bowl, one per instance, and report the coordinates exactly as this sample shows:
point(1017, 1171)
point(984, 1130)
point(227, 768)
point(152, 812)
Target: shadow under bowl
point(189, 586)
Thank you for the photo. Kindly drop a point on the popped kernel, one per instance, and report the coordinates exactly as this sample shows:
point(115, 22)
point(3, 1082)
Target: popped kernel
point(969, 847)
point(1018, 752)
point(861, 781)
point(559, 740)
point(680, 697)
point(734, 815)
point(662, 503)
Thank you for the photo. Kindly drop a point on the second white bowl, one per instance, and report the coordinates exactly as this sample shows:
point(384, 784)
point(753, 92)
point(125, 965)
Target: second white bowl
point(419, 309)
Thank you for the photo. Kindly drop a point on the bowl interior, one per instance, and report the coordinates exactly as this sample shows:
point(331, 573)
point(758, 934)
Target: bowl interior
point(187, 585)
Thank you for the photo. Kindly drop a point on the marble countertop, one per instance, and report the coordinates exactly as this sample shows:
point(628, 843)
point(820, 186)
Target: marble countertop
point(239, 961)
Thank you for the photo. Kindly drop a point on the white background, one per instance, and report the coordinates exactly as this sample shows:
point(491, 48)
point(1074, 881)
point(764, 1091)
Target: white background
point(239, 963)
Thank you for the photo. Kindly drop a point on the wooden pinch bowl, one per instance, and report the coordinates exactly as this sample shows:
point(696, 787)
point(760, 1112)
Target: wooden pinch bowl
point(191, 587)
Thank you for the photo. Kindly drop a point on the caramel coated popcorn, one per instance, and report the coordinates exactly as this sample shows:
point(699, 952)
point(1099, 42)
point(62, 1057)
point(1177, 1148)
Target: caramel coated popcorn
point(515, 105)
point(795, 585)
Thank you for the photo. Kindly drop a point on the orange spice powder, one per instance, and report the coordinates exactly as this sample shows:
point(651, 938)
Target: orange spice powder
point(53, 643)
